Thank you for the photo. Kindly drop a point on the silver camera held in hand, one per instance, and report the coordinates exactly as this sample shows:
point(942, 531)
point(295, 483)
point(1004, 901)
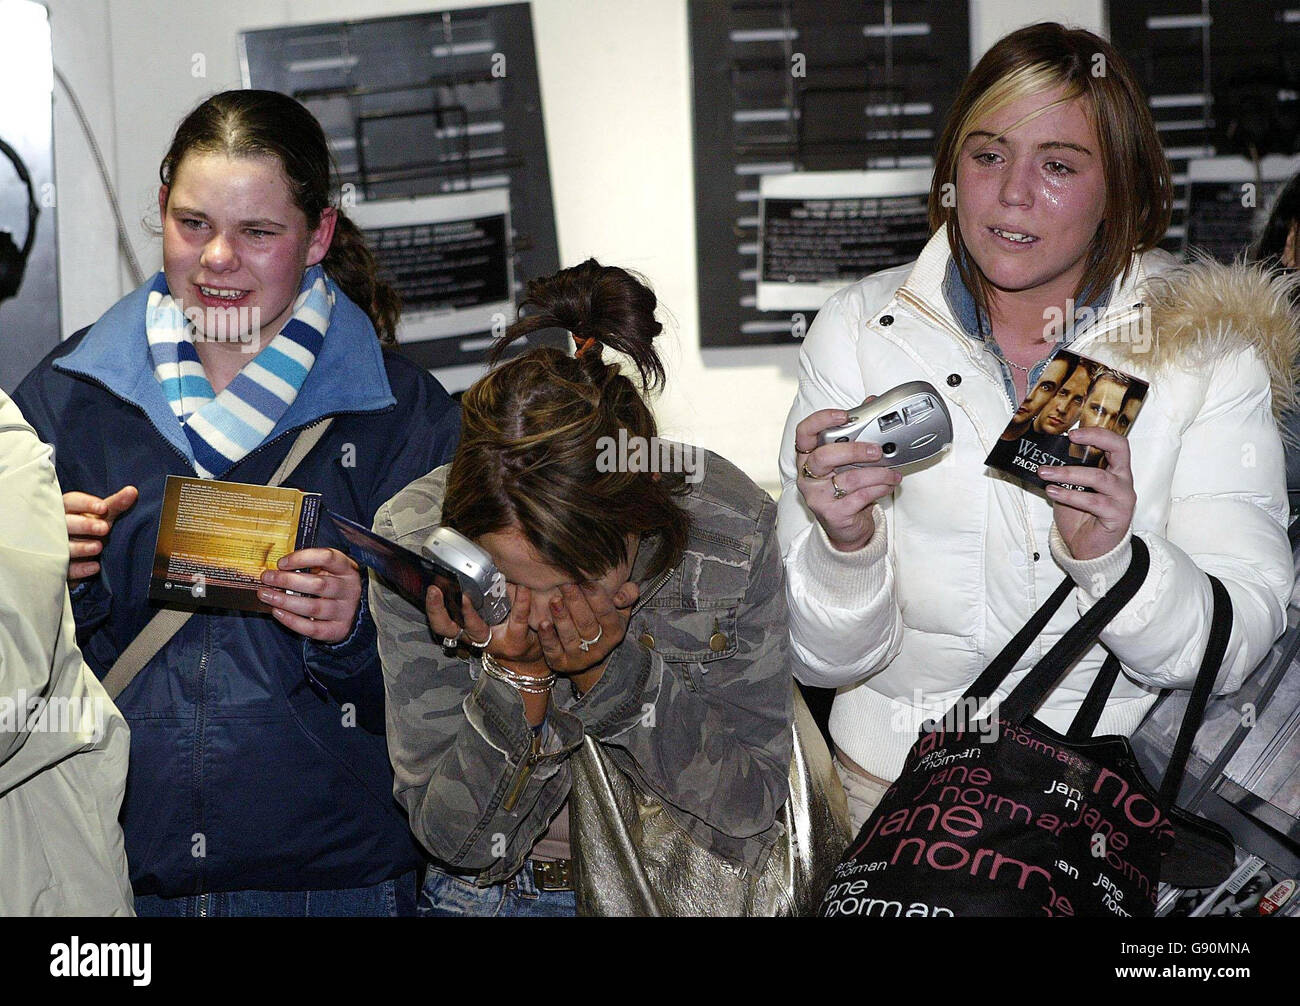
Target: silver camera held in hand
point(908, 423)
point(479, 579)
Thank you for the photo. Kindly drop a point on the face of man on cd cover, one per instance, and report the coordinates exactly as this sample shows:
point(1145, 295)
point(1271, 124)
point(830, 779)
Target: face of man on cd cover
point(1072, 392)
point(1043, 391)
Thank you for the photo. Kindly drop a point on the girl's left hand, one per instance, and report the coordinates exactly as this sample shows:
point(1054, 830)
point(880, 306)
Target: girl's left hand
point(1091, 524)
point(590, 613)
point(334, 581)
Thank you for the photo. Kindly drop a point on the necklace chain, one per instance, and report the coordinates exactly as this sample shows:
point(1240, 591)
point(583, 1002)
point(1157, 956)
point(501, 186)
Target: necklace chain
point(1011, 363)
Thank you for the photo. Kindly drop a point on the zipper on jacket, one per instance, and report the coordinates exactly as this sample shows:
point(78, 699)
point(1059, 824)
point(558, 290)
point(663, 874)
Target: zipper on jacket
point(650, 592)
point(1117, 323)
point(196, 762)
point(525, 774)
point(909, 298)
point(1086, 338)
point(963, 339)
point(267, 445)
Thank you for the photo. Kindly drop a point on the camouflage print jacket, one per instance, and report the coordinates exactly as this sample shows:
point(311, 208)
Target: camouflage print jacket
point(694, 704)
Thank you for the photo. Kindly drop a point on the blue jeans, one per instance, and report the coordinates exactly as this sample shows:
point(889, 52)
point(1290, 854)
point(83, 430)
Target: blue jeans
point(448, 895)
point(391, 898)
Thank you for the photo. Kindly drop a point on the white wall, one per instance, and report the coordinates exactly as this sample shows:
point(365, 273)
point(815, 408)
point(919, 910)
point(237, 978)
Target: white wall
point(615, 80)
point(88, 258)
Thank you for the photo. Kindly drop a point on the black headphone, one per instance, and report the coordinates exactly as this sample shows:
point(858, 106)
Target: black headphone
point(13, 261)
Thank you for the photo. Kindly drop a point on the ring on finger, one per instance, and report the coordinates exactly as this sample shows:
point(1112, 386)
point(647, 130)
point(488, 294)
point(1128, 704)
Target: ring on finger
point(797, 451)
point(451, 642)
point(586, 644)
point(836, 491)
point(482, 645)
point(808, 474)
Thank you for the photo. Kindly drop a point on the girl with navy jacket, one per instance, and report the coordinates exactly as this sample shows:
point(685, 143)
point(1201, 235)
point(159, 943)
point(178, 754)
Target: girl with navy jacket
point(259, 780)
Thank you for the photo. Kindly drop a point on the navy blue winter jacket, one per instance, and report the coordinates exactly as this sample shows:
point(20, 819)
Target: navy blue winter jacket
point(258, 758)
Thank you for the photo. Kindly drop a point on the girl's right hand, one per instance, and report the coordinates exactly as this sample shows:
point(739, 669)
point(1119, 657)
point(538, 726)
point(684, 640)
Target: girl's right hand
point(90, 518)
point(512, 641)
point(847, 521)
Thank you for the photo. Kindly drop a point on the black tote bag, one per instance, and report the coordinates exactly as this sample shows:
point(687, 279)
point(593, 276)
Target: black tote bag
point(1007, 817)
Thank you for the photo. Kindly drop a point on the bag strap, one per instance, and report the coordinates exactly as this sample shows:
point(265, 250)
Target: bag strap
point(1089, 714)
point(1215, 647)
point(1288, 648)
point(1082, 636)
point(993, 675)
point(155, 635)
point(307, 439)
point(1079, 638)
point(1085, 720)
point(1094, 703)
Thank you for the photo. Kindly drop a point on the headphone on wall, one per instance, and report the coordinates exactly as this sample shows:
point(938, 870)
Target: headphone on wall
point(13, 260)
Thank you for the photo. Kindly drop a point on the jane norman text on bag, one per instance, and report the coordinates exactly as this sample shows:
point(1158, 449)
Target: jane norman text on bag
point(1007, 817)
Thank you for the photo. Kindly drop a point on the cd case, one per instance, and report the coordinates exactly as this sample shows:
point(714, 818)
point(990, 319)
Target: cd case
point(1072, 392)
point(215, 539)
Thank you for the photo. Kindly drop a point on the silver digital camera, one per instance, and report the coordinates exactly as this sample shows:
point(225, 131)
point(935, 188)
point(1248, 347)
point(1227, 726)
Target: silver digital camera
point(480, 581)
point(909, 423)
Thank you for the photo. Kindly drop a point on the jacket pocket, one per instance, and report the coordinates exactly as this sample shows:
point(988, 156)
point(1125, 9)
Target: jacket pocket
point(689, 641)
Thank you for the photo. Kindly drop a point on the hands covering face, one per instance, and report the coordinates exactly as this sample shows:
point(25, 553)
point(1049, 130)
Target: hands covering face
point(595, 613)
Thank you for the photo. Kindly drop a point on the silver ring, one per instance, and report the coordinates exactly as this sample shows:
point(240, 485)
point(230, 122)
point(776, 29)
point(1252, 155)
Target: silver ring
point(836, 491)
point(450, 642)
point(483, 645)
point(586, 644)
point(809, 475)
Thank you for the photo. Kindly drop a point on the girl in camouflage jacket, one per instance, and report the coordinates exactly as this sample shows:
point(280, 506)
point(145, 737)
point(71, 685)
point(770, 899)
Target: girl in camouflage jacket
point(648, 612)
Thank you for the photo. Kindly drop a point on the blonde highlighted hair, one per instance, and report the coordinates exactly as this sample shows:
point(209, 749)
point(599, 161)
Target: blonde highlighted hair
point(1039, 59)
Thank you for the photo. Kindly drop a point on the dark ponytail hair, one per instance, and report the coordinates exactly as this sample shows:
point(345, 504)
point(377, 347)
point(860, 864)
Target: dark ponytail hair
point(592, 301)
point(251, 123)
point(534, 428)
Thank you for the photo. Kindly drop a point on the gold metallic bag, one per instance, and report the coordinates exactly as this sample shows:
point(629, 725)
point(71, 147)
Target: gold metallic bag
point(633, 859)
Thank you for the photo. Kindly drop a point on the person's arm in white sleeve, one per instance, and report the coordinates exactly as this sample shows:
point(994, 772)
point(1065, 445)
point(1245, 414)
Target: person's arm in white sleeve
point(844, 618)
point(1227, 517)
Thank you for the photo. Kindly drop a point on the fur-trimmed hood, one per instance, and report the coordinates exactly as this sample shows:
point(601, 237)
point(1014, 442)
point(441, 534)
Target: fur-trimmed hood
point(1204, 309)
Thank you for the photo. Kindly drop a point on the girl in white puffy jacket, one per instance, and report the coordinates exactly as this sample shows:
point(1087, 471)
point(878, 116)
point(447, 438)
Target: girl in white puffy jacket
point(1050, 192)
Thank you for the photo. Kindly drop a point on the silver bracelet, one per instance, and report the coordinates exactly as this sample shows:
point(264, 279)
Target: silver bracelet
point(526, 683)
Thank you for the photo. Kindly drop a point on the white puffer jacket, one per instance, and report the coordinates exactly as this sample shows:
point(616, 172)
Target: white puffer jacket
point(963, 555)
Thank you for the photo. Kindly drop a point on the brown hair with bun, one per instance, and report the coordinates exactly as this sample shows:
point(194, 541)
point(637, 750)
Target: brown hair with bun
point(533, 428)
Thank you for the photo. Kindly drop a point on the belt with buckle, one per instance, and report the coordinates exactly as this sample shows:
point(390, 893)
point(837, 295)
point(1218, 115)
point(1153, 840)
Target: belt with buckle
point(553, 875)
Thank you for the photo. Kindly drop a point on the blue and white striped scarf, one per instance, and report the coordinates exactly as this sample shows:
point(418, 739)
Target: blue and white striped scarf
point(223, 428)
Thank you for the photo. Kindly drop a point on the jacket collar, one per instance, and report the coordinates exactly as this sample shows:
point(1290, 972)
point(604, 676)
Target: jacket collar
point(928, 275)
point(961, 302)
point(348, 376)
